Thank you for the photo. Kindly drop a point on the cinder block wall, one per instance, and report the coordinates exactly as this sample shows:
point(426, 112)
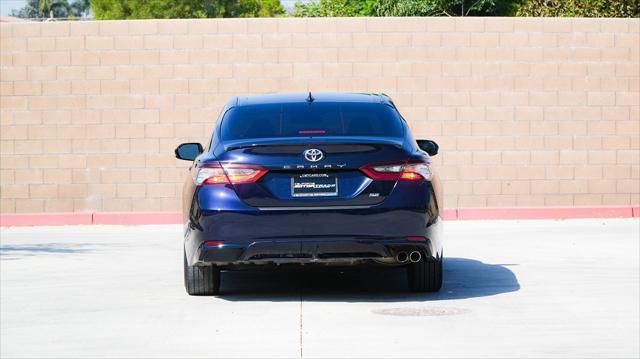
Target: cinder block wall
point(528, 111)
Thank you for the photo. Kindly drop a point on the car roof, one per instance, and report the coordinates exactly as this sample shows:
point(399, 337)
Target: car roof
point(303, 97)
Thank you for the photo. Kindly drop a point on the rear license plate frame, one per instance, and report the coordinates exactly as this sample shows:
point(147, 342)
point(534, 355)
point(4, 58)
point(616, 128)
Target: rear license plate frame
point(311, 185)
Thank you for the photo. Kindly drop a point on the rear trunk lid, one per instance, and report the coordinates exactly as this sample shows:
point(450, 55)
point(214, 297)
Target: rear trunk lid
point(313, 172)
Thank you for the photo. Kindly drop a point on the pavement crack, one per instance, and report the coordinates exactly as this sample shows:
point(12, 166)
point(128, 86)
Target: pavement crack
point(300, 288)
point(300, 325)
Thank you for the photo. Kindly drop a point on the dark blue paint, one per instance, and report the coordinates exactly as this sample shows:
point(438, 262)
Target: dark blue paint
point(263, 221)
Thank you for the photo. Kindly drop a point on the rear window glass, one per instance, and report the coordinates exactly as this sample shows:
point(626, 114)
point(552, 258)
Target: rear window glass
point(315, 119)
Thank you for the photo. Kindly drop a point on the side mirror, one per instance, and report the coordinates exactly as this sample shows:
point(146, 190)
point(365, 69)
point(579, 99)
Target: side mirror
point(188, 151)
point(428, 146)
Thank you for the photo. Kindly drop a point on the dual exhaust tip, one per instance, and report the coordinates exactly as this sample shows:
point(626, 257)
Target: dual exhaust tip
point(404, 257)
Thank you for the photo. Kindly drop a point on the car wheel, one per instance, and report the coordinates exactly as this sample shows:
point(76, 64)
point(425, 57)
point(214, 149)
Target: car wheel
point(425, 275)
point(201, 280)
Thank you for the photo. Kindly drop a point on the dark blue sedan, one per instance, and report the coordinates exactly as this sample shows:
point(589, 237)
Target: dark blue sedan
point(317, 178)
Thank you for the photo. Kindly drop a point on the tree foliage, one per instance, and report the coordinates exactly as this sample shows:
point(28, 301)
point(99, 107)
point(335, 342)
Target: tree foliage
point(586, 8)
point(271, 8)
point(44, 6)
point(444, 7)
point(29, 11)
point(580, 8)
point(336, 8)
point(183, 9)
point(59, 8)
point(165, 9)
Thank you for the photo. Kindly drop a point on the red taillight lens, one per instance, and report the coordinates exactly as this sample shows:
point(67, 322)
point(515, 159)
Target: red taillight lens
point(241, 174)
point(416, 239)
point(383, 172)
point(229, 174)
point(404, 172)
point(211, 175)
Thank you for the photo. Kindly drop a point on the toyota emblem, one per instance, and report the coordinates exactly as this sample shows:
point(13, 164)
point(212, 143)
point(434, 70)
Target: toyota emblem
point(313, 155)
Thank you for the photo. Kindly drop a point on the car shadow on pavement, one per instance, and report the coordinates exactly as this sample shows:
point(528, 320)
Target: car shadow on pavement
point(463, 278)
point(16, 251)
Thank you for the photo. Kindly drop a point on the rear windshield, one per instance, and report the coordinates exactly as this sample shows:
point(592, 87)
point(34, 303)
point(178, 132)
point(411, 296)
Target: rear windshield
point(315, 119)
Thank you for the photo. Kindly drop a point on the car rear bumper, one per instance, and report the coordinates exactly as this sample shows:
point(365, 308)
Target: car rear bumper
point(324, 251)
point(313, 236)
point(309, 234)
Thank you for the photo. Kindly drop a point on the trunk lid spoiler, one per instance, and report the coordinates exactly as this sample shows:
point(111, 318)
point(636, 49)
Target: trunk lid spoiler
point(310, 141)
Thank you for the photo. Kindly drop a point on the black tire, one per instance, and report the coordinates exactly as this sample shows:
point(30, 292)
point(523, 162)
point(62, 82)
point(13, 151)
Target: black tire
point(425, 275)
point(201, 280)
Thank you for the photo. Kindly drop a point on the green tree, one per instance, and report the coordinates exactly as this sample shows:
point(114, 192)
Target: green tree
point(339, 8)
point(271, 8)
point(44, 7)
point(255, 8)
point(580, 8)
point(444, 7)
point(406, 8)
point(80, 8)
point(60, 8)
point(29, 11)
point(183, 9)
point(312, 9)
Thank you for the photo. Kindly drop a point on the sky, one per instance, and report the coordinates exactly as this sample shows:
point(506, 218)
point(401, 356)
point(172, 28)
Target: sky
point(288, 4)
point(7, 5)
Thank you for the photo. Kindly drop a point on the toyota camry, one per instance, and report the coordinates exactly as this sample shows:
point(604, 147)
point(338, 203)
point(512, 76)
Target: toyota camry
point(322, 178)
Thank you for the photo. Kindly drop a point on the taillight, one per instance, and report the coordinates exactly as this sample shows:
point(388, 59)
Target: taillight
point(416, 171)
point(403, 172)
point(417, 239)
point(229, 174)
point(211, 175)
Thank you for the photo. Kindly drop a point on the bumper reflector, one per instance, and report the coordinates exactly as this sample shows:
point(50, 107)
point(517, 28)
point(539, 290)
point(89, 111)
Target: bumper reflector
point(416, 239)
point(212, 243)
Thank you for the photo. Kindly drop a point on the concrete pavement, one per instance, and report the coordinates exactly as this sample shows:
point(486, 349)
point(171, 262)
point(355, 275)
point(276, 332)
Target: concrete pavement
point(512, 288)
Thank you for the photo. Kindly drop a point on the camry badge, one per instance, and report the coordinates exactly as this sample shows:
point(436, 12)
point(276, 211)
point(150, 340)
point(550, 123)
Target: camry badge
point(313, 155)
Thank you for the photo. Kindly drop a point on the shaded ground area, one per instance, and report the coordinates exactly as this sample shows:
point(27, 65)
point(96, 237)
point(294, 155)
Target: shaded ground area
point(466, 278)
point(511, 288)
point(15, 251)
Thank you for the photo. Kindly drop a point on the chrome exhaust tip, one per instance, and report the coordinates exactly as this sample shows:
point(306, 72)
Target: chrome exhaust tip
point(415, 256)
point(402, 257)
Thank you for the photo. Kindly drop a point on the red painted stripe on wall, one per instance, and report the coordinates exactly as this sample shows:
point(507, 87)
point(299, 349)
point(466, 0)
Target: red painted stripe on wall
point(44, 219)
point(449, 214)
point(133, 218)
point(545, 213)
point(141, 218)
